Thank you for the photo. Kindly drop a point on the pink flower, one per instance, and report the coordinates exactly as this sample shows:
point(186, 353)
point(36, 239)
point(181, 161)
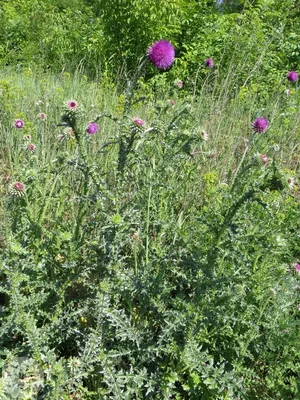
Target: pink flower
point(72, 105)
point(179, 84)
point(264, 159)
point(17, 189)
point(139, 122)
point(161, 54)
point(260, 125)
point(19, 186)
point(19, 123)
point(297, 267)
point(209, 63)
point(42, 116)
point(92, 128)
point(31, 147)
point(292, 76)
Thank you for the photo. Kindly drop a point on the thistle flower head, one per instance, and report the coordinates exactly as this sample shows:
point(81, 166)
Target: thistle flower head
point(19, 123)
point(209, 63)
point(260, 125)
point(31, 147)
point(292, 76)
point(71, 111)
point(297, 267)
point(161, 54)
point(72, 105)
point(42, 116)
point(179, 84)
point(139, 122)
point(17, 189)
point(92, 128)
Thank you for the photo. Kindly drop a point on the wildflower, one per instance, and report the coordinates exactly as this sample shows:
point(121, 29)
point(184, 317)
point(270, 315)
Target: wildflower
point(209, 63)
point(179, 84)
point(297, 267)
point(139, 122)
point(292, 76)
point(260, 125)
point(161, 54)
point(17, 189)
point(204, 136)
point(31, 147)
point(19, 123)
point(42, 116)
point(264, 159)
point(72, 105)
point(92, 128)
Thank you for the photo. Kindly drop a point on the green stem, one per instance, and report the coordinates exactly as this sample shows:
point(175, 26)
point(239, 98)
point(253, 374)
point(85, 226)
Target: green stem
point(147, 225)
point(243, 157)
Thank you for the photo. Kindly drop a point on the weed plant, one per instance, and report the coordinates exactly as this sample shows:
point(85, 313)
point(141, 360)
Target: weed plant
point(157, 258)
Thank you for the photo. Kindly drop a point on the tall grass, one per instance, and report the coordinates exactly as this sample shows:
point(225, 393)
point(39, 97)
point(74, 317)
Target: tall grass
point(148, 261)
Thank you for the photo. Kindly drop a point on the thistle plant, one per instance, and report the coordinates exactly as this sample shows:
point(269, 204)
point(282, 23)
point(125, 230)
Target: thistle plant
point(134, 263)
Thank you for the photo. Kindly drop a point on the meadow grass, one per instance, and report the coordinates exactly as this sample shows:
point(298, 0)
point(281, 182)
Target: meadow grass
point(148, 261)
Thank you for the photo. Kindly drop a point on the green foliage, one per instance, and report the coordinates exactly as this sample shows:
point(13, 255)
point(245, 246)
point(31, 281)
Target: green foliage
point(253, 43)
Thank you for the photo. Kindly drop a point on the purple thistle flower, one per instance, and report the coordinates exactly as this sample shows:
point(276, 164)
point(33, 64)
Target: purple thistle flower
point(17, 189)
point(19, 186)
point(260, 125)
point(297, 267)
point(31, 147)
point(42, 116)
point(292, 76)
point(139, 122)
point(19, 123)
point(209, 63)
point(72, 105)
point(161, 54)
point(92, 128)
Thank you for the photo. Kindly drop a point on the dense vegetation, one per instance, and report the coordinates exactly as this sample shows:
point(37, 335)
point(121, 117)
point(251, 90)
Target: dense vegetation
point(259, 39)
point(150, 243)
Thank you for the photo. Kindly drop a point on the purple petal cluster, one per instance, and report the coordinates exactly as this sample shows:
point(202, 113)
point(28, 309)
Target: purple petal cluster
point(139, 122)
point(260, 125)
point(92, 128)
point(209, 63)
point(292, 76)
point(161, 54)
point(19, 123)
